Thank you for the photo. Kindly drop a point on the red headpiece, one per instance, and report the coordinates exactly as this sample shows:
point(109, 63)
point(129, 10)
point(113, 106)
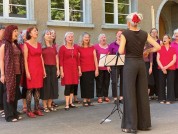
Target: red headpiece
point(136, 19)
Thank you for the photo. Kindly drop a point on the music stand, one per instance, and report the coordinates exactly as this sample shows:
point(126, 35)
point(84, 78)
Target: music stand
point(113, 60)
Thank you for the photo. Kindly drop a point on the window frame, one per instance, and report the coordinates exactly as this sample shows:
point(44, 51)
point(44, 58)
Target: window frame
point(87, 17)
point(66, 12)
point(116, 13)
point(132, 8)
point(29, 14)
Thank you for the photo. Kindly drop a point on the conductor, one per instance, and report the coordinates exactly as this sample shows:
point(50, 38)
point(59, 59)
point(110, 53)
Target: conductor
point(136, 111)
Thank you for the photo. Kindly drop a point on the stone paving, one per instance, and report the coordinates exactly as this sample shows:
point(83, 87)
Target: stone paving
point(83, 120)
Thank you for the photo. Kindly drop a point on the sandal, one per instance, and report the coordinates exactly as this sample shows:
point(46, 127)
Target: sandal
point(54, 104)
point(129, 131)
point(85, 104)
point(168, 102)
point(106, 99)
point(77, 101)
point(72, 105)
point(46, 110)
point(67, 108)
point(90, 103)
point(162, 102)
point(52, 109)
point(100, 100)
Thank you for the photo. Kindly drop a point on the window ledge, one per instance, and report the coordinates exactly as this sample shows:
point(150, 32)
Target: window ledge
point(70, 24)
point(114, 26)
point(17, 21)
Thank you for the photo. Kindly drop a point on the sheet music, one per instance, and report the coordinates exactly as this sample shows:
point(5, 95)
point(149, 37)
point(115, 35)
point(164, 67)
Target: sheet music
point(110, 60)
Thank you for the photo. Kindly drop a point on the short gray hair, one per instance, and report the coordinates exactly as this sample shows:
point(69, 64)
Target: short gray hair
point(100, 35)
point(175, 32)
point(66, 34)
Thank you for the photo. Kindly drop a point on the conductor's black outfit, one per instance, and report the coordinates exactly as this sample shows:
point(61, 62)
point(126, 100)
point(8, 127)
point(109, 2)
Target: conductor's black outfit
point(136, 111)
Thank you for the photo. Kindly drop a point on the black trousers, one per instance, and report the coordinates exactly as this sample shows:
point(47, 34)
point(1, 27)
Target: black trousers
point(116, 73)
point(176, 83)
point(1, 95)
point(10, 109)
point(75, 90)
point(154, 89)
point(169, 77)
point(136, 110)
point(69, 89)
point(102, 83)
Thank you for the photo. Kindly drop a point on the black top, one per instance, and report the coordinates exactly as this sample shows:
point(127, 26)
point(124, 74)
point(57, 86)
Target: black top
point(135, 42)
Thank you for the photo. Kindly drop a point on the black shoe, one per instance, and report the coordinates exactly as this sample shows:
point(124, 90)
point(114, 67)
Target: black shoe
point(66, 108)
point(72, 106)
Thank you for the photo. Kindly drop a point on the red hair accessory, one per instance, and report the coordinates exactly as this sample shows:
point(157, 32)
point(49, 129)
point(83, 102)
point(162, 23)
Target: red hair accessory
point(135, 18)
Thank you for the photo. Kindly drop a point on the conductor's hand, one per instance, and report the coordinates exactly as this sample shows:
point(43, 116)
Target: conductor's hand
point(109, 69)
point(96, 73)
point(145, 54)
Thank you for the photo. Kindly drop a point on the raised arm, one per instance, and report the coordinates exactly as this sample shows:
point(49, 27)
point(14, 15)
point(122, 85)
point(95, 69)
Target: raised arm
point(156, 47)
point(122, 45)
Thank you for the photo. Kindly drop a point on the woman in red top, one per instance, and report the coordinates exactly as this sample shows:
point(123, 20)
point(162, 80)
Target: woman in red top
point(166, 59)
point(50, 84)
point(34, 68)
point(89, 68)
point(69, 67)
point(10, 65)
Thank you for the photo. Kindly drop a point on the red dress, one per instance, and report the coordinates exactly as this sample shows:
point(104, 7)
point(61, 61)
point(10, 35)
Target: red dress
point(35, 66)
point(68, 59)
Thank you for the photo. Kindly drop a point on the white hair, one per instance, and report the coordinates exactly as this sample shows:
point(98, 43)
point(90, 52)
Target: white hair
point(175, 32)
point(66, 34)
point(99, 37)
point(130, 18)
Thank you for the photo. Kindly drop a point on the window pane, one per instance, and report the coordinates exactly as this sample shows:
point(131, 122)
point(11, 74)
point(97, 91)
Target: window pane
point(17, 11)
point(1, 10)
point(109, 18)
point(57, 4)
point(124, 9)
point(76, 4)
point(123, 1)
point(76, 16)
point(109, 7)
point(76, 10)
point(18, 2)
point(109, 0)
point(57, 14)
point(122, 19)
point(1, 7)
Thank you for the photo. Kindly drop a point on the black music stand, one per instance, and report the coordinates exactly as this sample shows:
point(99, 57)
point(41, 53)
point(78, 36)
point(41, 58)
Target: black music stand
point(114, 60)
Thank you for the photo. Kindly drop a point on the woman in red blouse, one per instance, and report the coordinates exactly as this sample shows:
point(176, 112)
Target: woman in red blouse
point(35, 71)
point(89, 69)
point(51, 62)
point(166, 59)
point(69, 67)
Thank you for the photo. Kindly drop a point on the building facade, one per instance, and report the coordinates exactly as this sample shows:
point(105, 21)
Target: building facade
point(92, 16)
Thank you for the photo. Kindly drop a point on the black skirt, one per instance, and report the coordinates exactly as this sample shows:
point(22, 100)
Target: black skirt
point(50, 84)
point(87, 84)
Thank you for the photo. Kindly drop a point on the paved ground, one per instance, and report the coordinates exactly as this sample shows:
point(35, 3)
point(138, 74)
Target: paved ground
point(87, 121)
